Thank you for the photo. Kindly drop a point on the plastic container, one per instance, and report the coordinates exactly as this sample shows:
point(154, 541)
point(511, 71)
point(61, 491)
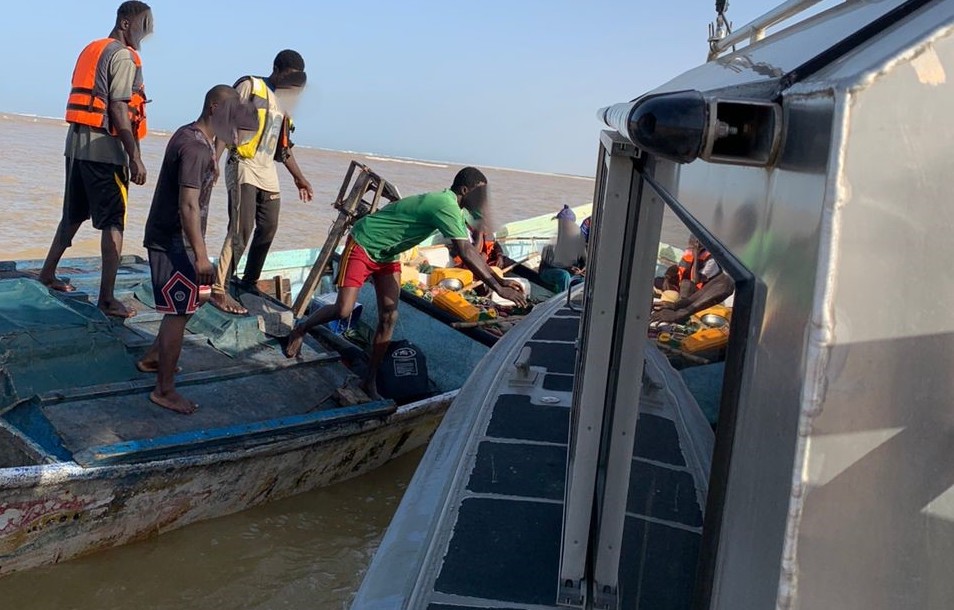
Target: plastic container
point(437, 256)
point(409, 274)
point(466, 276)
point(721, 311)
point(706, 339)
point(506, 302)
point(337, 326)
point(456, 305)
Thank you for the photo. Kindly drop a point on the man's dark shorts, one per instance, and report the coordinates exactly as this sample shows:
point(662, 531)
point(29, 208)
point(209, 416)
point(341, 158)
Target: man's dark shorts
point(174, 283)
point(96, 190)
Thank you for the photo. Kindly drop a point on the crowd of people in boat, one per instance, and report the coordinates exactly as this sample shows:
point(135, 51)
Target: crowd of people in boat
point(250, 123)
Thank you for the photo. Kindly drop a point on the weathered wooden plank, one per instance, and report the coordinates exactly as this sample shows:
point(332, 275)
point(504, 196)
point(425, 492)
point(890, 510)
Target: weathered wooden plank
point(276, 286)
point(351, 394)
point(217, 439)
point(184, 379)
point(244, 399)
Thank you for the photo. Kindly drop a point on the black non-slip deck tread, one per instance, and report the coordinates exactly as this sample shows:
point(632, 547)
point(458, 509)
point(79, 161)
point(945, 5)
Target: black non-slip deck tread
point(516, 418)
point(663, 493)
point(554, 357)
point(558, 383)
point(558, 329)
point(661, 567)
point(519, 470)
point(505, 544)
point(504, 550)
point(658, 440)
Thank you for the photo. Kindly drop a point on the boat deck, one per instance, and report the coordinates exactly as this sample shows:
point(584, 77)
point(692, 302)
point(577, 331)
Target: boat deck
point(73, 387)
point(495, 539)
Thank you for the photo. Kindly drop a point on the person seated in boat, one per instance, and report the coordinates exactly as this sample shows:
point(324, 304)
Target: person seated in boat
point(700, 282)
point(489, 249)
point(377, 240)
point(585, 229)
point(561, 261)
point(175, 232)
point(667, 285)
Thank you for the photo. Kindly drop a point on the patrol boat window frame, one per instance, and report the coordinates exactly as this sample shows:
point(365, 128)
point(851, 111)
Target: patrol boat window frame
point(747, 313)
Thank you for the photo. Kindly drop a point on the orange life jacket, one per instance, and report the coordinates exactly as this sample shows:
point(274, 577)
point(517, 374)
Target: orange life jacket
point(685, 265)
point(486, 249)
point(88, 103)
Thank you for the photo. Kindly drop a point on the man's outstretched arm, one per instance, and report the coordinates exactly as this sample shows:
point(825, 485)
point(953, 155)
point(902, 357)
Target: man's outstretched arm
point(510, 290)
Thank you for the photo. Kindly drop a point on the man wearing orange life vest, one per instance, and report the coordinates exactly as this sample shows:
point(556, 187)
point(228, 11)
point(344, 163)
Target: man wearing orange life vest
point(106, 113)
point(695, 268)
point(701, 283)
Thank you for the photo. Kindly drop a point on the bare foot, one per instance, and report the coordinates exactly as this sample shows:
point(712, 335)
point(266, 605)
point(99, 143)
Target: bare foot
point(57, 284)
point(116, 309)
point(295, 340)
point(174, 402)
point(224, 302)
point(151, 366)
point(371, 389)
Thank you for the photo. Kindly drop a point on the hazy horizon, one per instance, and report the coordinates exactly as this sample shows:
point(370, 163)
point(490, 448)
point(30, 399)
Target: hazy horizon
point(5, 114)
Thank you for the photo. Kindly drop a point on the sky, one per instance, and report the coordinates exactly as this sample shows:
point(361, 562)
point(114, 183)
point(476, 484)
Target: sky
point(503, 83)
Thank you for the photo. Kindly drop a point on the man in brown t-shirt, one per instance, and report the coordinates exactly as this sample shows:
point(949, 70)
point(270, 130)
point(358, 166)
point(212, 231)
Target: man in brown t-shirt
point(175, 232)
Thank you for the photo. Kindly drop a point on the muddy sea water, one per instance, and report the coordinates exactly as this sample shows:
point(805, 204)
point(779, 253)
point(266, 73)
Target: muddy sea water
point(32, 175)
point(304, 552)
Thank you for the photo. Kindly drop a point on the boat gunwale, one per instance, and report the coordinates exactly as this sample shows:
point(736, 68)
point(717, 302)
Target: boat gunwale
point(47, 474)
point(453, 456)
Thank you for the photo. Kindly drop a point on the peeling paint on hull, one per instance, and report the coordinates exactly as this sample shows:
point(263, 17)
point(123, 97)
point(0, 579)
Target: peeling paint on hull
point(57, 512)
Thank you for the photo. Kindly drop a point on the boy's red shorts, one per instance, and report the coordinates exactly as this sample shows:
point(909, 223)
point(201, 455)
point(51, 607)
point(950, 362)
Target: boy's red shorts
point(356, 266)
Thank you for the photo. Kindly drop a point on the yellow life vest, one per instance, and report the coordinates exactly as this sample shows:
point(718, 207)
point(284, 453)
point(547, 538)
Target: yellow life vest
point(260, 101)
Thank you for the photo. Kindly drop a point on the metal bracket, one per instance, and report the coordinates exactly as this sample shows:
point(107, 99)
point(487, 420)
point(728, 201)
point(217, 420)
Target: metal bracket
point(605, 598)
point(572, 594)
point(618, 146)
point(524, 374)
point(579, 279)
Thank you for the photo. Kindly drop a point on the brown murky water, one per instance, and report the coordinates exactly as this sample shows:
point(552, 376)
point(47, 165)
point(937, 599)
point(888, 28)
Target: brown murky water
point(31, 192)
point(304, 552)
point(308, 551)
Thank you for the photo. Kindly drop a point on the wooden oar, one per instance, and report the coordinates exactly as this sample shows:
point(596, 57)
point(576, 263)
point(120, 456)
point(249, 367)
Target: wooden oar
point(503, 271)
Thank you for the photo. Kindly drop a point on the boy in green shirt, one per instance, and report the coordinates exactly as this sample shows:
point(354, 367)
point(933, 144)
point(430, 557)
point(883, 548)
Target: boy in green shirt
point(377, 240)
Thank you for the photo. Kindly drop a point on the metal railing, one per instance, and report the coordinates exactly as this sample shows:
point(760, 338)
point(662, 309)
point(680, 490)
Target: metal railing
point(755, 29)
